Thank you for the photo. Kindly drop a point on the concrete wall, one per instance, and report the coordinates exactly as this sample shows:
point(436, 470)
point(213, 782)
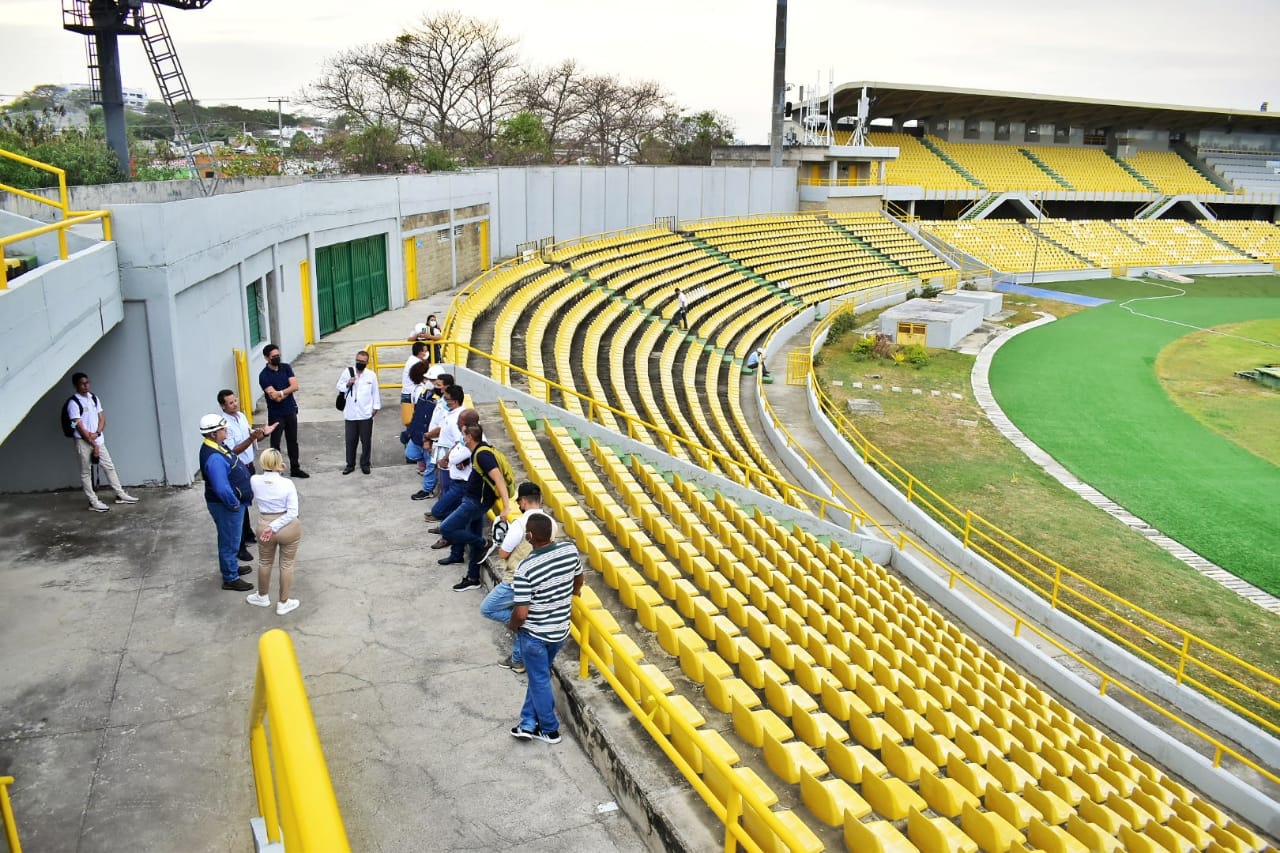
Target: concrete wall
point(49, 318)
point(184, 264)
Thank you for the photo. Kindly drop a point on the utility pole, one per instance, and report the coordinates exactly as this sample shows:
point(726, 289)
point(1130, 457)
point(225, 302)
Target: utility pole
point(279, 119)
point(779, 85)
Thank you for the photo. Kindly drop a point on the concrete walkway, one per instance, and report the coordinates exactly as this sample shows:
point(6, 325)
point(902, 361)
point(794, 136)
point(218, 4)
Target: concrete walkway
point(127, 674)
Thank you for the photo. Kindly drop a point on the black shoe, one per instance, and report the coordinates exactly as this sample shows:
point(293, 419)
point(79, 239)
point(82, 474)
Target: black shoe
point(419, 495)
point(347, 470)
point(435, 530)
point(299, 474)
point(522, 734)
point(237, 585)
point(547, 737)
point(364, 469)
point(244, 555)
point(449, 561)
point(466, 583)
point(244, 570)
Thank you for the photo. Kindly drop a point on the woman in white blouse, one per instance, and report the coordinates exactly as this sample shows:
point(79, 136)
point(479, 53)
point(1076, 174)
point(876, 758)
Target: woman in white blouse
point(277, 500)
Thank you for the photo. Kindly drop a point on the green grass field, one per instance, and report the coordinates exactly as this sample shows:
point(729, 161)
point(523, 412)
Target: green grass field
point(1085, 389)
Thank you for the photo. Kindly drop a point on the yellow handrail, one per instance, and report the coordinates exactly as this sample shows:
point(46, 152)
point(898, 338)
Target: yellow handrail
point(6, 815)
point(985, 538)
point(298, 798)
point(69, 218)
point(586, 624)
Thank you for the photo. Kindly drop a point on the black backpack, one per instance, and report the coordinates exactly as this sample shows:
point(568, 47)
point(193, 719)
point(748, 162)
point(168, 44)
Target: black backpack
point(68, 427)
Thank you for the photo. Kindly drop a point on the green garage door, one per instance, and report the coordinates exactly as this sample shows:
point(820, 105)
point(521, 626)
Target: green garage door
point(351, 281)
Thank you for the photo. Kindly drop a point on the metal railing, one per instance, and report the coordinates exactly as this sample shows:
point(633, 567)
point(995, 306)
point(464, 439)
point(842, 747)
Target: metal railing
point(584, 626)
point(6, 816)
point(69, 218)
point(297, 798)
point(1065, 589)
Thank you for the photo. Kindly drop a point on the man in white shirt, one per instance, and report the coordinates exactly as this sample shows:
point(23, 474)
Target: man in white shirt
point(360, 384)
point(88, 422)
point(455, 472)
point(240, 440)
point(682, 309)
point(407, 385)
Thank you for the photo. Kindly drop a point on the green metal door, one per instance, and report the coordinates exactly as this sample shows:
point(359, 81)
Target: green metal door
point(351, 281)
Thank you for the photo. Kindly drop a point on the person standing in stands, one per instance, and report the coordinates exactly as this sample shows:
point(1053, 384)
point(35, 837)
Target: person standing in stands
point(280, 385)
point(407, 384)
point(227, 494)
point(682, 309)
point(513, 548)
point(240, 440)
point(88, 424)
point(454, 473)
point(542, 602)
point(360, 384)
point(416, 449)
point(486, 486)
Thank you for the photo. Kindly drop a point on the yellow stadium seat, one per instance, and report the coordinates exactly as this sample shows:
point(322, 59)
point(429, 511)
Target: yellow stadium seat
point(878, 836)
point(975, 747)
point(1053, 809)
point(1136, 842)
point(945, 796)
point(702, 742)
point(1159, 812)
point(788, 759)
point(974, 777)
point(852, 762)
point(1093, 838)
point(751, 725)
point(814, 728)
point(1017, 811)
point(669, 625)
point(905, 762)
point(937, 835)
point(1053, 840)
point(647, 601)
point(832, 801)
point(756, 671)
point(1011, 776)
point(771, 843)
point(871, 732)
point(992, 833)
point(1195, 836)
point(722, 693)
point(680, 707)
point(785, 696)
point(1100, 816)
point(745, 777)
point(890, 797)
point(841, 703)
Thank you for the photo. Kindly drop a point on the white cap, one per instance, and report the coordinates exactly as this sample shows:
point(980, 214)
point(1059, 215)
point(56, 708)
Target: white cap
point(435, 371)
point(420, 328)
point(212, 423)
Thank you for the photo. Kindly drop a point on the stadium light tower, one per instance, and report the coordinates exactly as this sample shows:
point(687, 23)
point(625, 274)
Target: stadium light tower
point(779, 85)
point(1035, 250)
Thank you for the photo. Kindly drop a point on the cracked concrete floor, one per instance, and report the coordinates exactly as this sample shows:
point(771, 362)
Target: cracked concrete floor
point(127, 676)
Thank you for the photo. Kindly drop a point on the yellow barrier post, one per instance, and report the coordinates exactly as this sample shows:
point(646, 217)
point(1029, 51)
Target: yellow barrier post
point(244, 389)
point(299, 786)
point(6, 814)
point(308, 322)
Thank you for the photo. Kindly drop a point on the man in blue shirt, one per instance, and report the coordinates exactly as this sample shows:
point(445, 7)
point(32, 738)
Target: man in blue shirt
point(279, 384)
point(227, 494)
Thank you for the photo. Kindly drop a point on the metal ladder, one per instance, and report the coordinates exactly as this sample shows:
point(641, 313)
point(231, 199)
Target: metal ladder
point(174, 90)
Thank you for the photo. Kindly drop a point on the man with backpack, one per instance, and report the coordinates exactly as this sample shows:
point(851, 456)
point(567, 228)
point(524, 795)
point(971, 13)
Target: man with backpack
point(84, 420)
point(488, 483)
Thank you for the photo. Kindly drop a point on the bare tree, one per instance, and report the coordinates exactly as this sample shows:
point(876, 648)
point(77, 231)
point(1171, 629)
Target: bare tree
point(554, 95)
point(493, 75)
point(616, 117)
point(363, 84)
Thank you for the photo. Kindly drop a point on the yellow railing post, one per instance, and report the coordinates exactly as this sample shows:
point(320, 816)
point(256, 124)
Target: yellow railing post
point(243, 389)
point(6, 815)
point(308, 322)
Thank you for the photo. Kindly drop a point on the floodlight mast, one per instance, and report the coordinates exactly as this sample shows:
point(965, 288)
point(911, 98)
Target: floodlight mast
point(779, 85)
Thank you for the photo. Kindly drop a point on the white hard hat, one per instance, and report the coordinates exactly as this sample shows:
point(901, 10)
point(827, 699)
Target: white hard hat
point(420, 328)
point(435, 371)
point(212, 423)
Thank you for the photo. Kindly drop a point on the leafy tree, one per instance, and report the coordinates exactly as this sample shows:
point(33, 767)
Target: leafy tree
point(83, 154)
point(300, 144)
point(521, 140)
point(433, 158)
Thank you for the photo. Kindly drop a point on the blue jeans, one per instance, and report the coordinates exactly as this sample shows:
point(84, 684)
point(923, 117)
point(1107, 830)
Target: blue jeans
point(463, 527)
point(451, 492)
point(539, 711)
point(497, 606)
point(229, 523)
point(414, 453)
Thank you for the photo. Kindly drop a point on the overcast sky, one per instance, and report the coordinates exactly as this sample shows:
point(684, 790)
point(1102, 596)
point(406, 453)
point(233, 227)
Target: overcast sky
point(718, 54)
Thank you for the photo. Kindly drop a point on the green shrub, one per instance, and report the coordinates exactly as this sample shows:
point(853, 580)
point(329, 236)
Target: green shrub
point(845, 322)
point(915, 354)
point(929, 291)
point(865, 345)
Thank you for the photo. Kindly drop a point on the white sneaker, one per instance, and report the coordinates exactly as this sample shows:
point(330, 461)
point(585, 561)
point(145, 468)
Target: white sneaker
point(286, 606)
point(126, 498)
point(98, 506)
point(259, 600)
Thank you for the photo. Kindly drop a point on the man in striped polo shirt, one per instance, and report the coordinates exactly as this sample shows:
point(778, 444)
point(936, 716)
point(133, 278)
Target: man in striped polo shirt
point(542, 600)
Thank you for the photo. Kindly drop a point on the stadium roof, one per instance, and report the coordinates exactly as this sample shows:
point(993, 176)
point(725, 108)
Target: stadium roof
point(921, 102)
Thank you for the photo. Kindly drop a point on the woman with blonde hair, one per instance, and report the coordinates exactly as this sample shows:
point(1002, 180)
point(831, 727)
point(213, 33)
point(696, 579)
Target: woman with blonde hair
point(277, 500)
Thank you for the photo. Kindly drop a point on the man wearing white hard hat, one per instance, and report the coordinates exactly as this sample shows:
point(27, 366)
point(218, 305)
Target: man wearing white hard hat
point(227, 493)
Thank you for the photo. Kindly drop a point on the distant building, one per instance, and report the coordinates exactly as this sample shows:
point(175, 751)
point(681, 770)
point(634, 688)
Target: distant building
point(134, 99)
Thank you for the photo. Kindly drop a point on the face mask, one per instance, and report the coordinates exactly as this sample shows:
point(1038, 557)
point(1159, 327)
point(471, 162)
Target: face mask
point(275, 359)
point(361, 365)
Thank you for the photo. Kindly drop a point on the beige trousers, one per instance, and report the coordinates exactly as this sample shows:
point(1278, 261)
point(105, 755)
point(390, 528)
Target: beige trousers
point(287, 541)
point(84, 452)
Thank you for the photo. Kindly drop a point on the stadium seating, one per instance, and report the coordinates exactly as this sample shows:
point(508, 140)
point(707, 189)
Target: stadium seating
point(999, 167)
point(1259, 240)
point(1170, 174)
point(1255, 173)
point(1086, 169)
point(1006, 245)
point(917, 165)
